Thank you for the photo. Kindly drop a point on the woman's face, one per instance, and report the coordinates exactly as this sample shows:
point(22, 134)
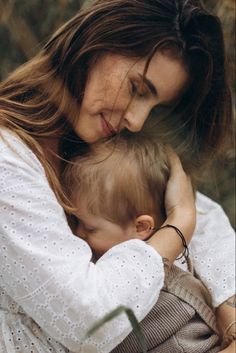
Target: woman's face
point(116, 97)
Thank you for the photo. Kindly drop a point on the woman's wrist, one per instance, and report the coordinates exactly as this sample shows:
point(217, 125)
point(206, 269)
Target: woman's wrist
point(167, 235)
point(161, 241)
point(181, 213)
point(184, 220)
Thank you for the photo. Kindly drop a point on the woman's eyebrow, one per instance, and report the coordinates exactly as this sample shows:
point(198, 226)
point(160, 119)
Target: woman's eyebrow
point(150, 85)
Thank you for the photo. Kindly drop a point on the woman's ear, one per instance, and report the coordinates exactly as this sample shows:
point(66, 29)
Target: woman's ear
point(144, 226)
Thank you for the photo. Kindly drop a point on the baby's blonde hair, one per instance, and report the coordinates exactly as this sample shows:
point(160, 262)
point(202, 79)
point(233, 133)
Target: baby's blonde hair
point(121, 178)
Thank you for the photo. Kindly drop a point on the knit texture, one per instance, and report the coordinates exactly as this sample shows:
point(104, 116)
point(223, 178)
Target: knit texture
point(182, 320)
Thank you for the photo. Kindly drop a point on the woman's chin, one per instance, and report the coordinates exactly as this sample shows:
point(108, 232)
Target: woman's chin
point(89, 137)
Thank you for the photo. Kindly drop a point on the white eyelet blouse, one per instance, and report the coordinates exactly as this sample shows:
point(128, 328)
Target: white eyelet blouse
point(50, 291)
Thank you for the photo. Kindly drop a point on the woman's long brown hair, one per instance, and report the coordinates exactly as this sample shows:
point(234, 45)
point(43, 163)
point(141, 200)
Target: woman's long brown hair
point(42, 98)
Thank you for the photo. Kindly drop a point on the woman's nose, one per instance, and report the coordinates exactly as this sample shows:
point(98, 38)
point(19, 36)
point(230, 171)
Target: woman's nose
point(134, 121)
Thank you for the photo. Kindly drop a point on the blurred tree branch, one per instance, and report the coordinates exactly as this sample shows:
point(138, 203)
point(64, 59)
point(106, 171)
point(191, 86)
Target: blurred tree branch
point(62, 4)
point(18, 28)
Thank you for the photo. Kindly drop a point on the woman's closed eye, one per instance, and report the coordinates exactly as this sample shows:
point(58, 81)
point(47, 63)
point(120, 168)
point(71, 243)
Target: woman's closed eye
point(137, 89)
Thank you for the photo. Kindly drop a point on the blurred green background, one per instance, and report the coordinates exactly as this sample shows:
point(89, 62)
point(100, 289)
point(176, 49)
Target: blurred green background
point(25, 25)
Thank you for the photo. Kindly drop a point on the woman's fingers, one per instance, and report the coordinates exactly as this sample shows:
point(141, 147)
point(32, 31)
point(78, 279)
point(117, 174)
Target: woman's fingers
point(179, 196)
point(174, 161)
point(179, 191)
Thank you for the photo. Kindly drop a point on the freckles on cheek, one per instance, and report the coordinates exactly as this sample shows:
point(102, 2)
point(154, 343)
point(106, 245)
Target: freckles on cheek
point(91, 104)
point(109, 97)
point(114, 88)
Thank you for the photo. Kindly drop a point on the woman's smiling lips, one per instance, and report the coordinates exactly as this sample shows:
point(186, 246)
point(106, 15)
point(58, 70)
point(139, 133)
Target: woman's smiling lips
point(107, 128)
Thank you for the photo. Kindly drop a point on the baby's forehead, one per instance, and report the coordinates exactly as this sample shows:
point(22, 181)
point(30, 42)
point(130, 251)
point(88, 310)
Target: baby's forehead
point(82, 210)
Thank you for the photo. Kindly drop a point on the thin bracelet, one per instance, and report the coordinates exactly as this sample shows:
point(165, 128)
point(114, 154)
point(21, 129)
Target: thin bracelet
point(185, 253)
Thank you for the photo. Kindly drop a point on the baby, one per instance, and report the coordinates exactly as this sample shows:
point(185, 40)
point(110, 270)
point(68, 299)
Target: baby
point(118, 189)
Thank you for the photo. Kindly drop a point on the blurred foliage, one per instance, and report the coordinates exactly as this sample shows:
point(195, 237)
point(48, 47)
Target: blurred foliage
point(133, 321)
point(220, 178)
point(26, 25)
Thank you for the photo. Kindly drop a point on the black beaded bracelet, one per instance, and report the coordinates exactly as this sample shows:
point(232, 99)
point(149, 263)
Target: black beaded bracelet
point(185, 253)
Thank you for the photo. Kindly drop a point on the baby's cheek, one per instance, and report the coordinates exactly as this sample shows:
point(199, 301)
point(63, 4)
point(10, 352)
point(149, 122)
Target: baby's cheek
point(79, 232)
point(98, 248)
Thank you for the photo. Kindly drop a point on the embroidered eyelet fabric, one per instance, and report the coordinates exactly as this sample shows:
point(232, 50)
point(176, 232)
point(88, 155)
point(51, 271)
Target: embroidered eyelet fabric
point(50, 291)
point(46, 272)
point(212, 250)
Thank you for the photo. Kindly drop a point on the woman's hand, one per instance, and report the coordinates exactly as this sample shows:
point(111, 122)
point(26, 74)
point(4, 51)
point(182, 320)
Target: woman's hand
point(230, 349)
point(180, 210)
point(225, 317)
point(179, 198)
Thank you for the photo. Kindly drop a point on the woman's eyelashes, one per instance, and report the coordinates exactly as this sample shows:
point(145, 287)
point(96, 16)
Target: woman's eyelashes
point(137, 89)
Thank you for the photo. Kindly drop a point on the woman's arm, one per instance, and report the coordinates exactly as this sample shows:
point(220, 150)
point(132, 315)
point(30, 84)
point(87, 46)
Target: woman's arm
point(213, 254)
point(48, 271)
point(180, 210)
point(230, 349)
point(212, 250)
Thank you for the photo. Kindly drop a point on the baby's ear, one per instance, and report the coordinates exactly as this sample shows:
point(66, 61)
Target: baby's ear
point(144, 226)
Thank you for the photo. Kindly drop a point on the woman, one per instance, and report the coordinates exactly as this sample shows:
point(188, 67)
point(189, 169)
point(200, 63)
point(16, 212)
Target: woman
point(103, 72)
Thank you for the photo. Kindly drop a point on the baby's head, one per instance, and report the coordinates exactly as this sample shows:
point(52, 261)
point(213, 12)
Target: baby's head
point(118, 190)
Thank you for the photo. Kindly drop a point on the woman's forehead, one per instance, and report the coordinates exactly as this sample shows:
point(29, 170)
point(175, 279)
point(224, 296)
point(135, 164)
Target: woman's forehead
point(168, 75)
point(165, 74)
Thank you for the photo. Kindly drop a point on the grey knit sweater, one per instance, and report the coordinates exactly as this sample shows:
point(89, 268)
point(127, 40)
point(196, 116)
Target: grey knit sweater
point(182, 321)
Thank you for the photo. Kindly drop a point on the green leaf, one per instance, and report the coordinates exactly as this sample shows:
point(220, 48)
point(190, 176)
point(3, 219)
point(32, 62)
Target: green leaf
point(132, 318)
